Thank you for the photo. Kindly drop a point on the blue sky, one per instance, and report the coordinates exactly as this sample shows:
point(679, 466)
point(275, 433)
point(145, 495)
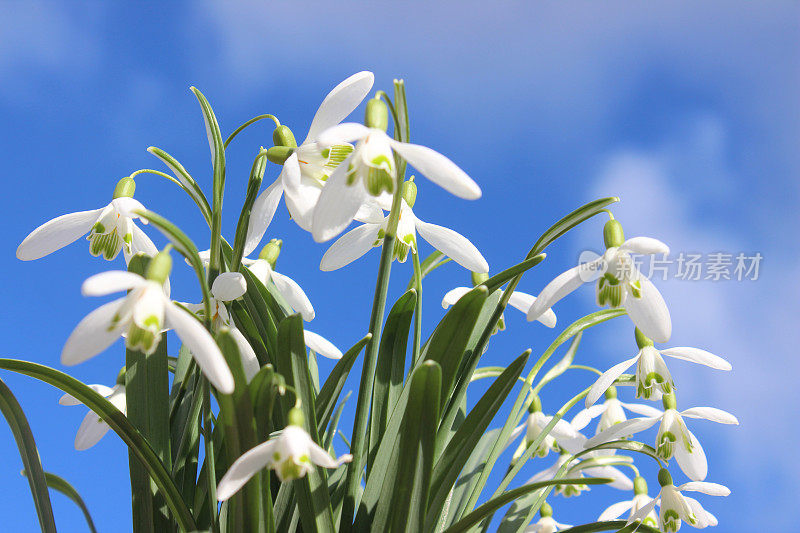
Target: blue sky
point(688, 111)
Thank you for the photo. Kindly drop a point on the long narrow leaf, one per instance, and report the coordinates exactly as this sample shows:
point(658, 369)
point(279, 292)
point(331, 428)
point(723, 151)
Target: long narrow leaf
point(61, 485)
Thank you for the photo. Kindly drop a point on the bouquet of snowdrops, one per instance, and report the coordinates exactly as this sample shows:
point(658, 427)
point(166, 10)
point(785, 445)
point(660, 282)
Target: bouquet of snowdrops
point(235, 429)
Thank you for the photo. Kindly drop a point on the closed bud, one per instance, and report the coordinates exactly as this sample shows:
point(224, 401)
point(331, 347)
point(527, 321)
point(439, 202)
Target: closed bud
point(283, 136)
point(296, 417)
point(478, 278)
point(641, 340)
point(613, 234)
point(271, 251)
point(545, 510)
point(409, 191)
point(125, 188)
point(279, 154)
point(160, 266)
point(377, 114)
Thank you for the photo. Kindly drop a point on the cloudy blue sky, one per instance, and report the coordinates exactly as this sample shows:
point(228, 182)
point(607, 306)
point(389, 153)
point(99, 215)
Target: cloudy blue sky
point(689, 111)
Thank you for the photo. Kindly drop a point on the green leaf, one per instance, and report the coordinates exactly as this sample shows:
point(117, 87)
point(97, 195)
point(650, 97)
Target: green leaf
point(332, 388)
point(312, 490)
point(26, 444)
point(117, 421)
point(62, 485)
point(562, 366)
point(488, 508)
point(408, 492)
point(390, 367)
point(187, 181)
point(558, 229)
point(253, 185)
point(431, 263)
point(612, 525)
point(497, 281)
point(452, 460)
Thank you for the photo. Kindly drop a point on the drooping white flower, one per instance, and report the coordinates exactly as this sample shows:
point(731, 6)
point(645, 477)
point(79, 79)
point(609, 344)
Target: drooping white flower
point(142, 315)
point(673, 438)
point(360, 240)
point(110, 228)
point(652, 376)
point(370, 170)
point(619, 283)
point(675, 507)
point(307, 169)
point(291, 292)
point(619, 480)
point(561, 436)
point(93, 427)
point(518, 300)
point(611, 412)
point(292, 454)
point(640, 499)
point(546, 523)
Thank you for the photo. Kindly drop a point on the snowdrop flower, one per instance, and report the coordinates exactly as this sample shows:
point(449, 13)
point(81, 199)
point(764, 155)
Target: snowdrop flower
point(309, 165)
point(143, 315)
point(640, 500)
point(111, 229)
point(652, 376)
point(292, 454)
point(675, 507)
point(359, 241)
point(611, 412)
point(518, 300)
point(546, 524)
point(620, 480)
point(673, 438)
point(561, 436)
point(619, 283)
point(290, 291)
point(370, 170)
point(93, 428)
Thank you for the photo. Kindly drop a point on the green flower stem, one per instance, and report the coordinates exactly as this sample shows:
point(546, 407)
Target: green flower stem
point(253, 120)
point(417, 310)
point(157, 173)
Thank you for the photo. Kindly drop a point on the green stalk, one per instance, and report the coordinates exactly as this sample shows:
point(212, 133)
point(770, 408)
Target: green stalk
point(417, 311)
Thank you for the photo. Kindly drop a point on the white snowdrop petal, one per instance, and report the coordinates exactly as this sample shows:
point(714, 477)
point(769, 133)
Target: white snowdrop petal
point(585, 416)
point(645, 246)
point(321, 346)
point(642, 513)
point(712, 489)
point(620, 480)
point(563, 284)
point(301, 201)
point(623, 429)
point(693, 463)
point(453, 245)
point(338, 204)
point(244, 468)
point(229, 286)
point(649, 313)
point(293, 295)
point(56, 234)
point(110, 282)
point(696, 355)
point(91, 430)
point(69, 399)
point(340, 102)
point(439, 169)
point(641, 409)
point(350, 247)
point(141, 243)
point(92, 335)
point(322, 458)
point(343, 134)
point(261, 214)
point(607, 379)
point(614, 511)
point(712, 414)
point(250, 364)
point(261, 269)
point(204, 350)
point(453, 296)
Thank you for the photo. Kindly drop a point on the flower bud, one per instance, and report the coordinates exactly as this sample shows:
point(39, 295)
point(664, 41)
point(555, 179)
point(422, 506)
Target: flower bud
point(283, 136)
point(377, 114)
point(611, 393)
point(125, 188)
point(160, 266)
point(545, 510)
point(296, 417)
point(664, 477)
point(536, 404)
point(409, 191)
point(639, 485)
point(279, 154)
point(613, 234)
point(478, 278)
point(271, 251)
point(641, 340)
